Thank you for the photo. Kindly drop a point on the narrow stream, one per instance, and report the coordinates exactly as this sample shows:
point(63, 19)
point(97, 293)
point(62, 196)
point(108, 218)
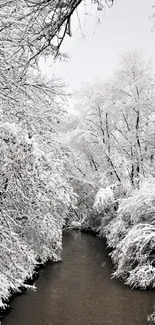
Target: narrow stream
point(80, 291)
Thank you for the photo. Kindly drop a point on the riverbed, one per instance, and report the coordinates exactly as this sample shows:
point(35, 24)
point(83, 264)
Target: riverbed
point(80, 291)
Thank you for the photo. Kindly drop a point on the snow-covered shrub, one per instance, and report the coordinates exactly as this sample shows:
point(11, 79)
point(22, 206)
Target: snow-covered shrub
point(139, 207)
point(103, 209)
point(127, 219)
point(34, 200)
point(134, 257)
point(104, 198)
point(123, 189)
point(106, 205)
point(132, 236)
point(115, 231)
point(17, 259)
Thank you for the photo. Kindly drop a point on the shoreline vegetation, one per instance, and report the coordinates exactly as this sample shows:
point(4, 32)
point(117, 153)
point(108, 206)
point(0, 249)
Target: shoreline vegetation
point(126, 219)
point(26, 187)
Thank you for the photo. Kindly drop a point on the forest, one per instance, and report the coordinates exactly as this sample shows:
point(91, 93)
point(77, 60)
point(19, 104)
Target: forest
point(90, 168)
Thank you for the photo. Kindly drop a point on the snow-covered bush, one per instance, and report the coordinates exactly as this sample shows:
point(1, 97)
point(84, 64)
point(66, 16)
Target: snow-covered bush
point(17, 259)
point(104, 198)
point(105, 207)
point(139, 207)
point(34, 200)
point(132, 236)
point(134, 257)
point(127, 220)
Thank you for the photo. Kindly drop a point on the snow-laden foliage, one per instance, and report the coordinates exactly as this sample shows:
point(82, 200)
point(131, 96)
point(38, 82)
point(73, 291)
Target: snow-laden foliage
point(104, 198)
point(130, 231)
point(35, 193)
point(103, 209)
point(126, 218)
point(30, 29)
point(106, 205)
point(34, 200)
point(135, 257)
point(132, 235)
point(139, 207)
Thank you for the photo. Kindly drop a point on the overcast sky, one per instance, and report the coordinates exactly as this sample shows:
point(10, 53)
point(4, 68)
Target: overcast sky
point(95, 47)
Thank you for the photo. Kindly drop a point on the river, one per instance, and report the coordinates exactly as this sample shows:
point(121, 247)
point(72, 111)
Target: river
point(80, 291)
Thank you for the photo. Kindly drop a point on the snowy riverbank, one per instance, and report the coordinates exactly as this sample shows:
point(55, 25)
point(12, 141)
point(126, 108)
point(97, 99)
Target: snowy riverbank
point(34, 201)
point(126, 218)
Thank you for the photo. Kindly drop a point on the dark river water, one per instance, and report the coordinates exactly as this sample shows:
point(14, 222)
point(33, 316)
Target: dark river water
point(80, 291)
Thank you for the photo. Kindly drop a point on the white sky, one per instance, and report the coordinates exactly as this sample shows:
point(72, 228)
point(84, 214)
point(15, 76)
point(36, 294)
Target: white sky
point(95, 49)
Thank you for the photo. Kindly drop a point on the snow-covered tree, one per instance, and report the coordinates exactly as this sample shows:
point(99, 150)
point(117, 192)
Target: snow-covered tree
point(34, 201)
point(116, 122)
point(133, 93)
point(29, 29)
